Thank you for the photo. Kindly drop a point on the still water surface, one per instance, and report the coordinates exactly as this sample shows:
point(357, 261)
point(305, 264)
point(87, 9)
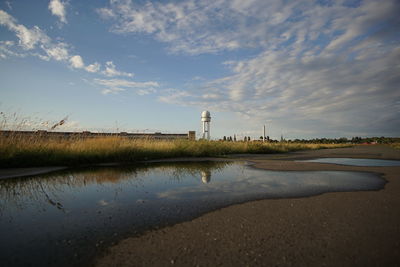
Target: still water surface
point(66, 218)
point(357, 162)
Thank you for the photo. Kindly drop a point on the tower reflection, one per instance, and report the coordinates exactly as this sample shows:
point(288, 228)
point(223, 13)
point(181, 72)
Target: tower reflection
point(206, 176)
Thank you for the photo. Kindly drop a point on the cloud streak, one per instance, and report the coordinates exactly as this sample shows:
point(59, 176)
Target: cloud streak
point(111, 71)
point(324, 68)
point(210, 26)
point(113, 86)
point(35, 42)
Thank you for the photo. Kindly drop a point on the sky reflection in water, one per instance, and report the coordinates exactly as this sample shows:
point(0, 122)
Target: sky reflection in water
point(65, 217)
point(357, 162)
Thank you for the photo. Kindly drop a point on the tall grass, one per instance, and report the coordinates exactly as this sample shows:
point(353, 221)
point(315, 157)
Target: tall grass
point(23, 151)
point(395, 145)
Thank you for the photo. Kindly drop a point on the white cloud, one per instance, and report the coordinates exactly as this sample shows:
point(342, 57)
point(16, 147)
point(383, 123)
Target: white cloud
point(200, 26)
point(118, 85)
point(312, 65)
point(175, 96)
point(322, 95)
point(57, 8)
point(111, 71)
point(76, 62)
point(358, 21)
point(184, 24)
point(146, 91)
point(7, 43)
point(209, 26)
point(57, 52)
point(323, 69)
point(106, 13)
point(211, 96)
point(6, 51)
point(31, 39)
point(28, 38)
point(39, 44)
point(95, 67)
point(35, 38)
point(6, 19)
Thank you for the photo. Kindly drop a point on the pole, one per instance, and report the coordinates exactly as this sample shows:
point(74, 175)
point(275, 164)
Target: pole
point(263, 137)
point(204, 130)
point(208, 130)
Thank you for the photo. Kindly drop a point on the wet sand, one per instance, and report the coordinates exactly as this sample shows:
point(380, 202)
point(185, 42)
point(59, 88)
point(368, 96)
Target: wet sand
point(333, 229)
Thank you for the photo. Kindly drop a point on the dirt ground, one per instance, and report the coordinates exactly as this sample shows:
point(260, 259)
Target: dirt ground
point(333, 229)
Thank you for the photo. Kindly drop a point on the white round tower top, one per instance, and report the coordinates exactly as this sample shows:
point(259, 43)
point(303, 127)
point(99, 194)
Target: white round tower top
point(205, 116)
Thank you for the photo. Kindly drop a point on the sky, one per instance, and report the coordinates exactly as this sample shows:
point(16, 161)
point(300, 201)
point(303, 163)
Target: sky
point(305, 69)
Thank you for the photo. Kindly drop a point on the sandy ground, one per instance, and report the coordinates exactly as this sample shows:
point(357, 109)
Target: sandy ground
point(333, 229)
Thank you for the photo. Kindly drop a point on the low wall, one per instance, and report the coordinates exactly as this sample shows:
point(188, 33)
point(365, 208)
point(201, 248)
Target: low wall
point(191, 135)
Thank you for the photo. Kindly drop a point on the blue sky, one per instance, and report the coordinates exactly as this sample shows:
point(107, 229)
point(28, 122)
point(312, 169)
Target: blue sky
point(304, 68)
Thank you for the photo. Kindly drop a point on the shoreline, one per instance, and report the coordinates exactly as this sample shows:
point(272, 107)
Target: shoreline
point(265, 232)
point(343, 228)
point(10, 173)
point(7, 173)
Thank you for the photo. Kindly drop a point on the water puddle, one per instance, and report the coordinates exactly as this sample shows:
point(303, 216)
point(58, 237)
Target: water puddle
point(66, 218)
point(356, 162)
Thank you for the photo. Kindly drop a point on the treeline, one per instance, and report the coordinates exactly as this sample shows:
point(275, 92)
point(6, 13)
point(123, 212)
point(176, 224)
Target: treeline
point(344, 140)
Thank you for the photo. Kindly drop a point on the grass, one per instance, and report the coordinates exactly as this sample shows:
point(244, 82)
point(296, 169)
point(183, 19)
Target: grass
point(19, 151)
point(395, 145)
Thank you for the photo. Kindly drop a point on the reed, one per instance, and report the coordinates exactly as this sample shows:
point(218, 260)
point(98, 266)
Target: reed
point(23, 151)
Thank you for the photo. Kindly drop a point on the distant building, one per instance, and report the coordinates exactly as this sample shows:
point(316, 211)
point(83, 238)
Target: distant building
point(191, 135)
